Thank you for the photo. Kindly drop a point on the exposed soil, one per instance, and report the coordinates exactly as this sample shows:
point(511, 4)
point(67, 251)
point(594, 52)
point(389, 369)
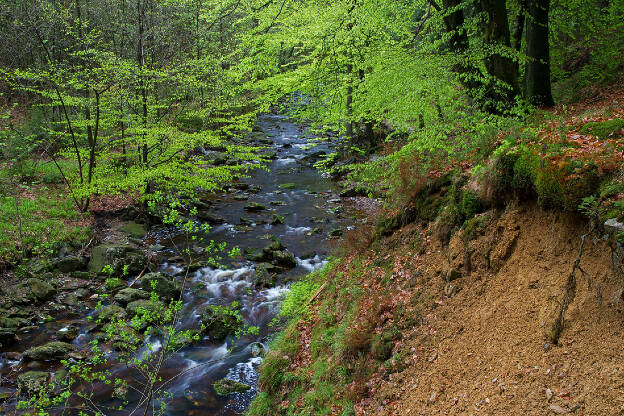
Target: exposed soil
point(482, 347)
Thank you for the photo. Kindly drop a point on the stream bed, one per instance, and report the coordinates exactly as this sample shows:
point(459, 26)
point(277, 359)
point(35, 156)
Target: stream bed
point(310, 213)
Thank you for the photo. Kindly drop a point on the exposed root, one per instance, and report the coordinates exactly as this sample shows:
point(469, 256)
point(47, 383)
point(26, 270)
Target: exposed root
point(570, 292)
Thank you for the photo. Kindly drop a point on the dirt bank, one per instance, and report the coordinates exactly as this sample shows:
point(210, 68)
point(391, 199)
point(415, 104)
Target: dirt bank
point(483, 346)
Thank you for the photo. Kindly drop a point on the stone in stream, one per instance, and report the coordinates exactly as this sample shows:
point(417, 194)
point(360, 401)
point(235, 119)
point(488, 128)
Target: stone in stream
point(255, 207)
point(121, 257)
point(226, 386)
point(55, 350)
point(130, 294)
point(274, 253)
point(145, 306)
point(108, 313)
point(32, 381)
point(263, 276)
point(210, 217)
point(354, 191)
point(166, 286)
point(240, 197)
point(8, 336)
point(335, 233)
point(134, 229)
point(68, 333)
point(219, 322)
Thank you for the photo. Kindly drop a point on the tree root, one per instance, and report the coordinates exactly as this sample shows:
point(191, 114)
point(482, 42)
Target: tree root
point(570, 293)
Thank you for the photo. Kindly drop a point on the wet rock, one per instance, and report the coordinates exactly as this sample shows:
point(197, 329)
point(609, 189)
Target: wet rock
point(263, 278)
point(245, 221)
point(243, 228)
point(40, 290)
point(226, 386)
point(335, 233)
point(108, 313)
point(32, 381)
point(134, 229)
point(8, 336)
point(254, 189)
point(255, 207)
point(314, 156)
point(278, 203)
point(118, 256)
point(145, 306)
point(219, 322)
point(210, 218)
point(68, 333)
point(166, 286)
point(240, 197)
point(284, 258)
point(55, 350)
point(129, 294)
point(288, 186)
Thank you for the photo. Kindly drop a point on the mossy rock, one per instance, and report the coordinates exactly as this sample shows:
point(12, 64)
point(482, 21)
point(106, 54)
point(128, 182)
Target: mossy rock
point(108, 313)
point(40, 290)
point(55, 350)
point(33, 381)
point(134, 229)
point(255, 207)
point(166, 286)
point(226, 386)
point(604, 129)
point(277, 219)
point(145, 306)
point(129, 294)
point(219, 322)
point(121, 257)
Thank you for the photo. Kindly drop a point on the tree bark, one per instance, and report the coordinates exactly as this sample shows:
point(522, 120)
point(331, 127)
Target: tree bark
point(538, 87)
point(497, 34)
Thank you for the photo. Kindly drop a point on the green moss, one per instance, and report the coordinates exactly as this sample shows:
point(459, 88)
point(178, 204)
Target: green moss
point(604, 129)
point(226, 386)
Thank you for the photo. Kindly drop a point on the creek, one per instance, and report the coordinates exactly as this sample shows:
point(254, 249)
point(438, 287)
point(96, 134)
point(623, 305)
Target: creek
point(291, 189)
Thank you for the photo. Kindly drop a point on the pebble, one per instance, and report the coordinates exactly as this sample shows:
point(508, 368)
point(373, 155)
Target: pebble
point(549, 394)
point(558, 410)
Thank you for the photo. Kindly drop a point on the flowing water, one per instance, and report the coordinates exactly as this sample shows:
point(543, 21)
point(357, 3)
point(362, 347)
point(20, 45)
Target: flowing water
point(292, 188)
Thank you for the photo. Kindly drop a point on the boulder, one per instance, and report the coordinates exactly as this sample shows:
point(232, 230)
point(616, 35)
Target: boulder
point(108, 313)
point(69, 263)
point(55, 350)
point(219, 322)
point(284, 258)
point(166, 286)
point(226, 386)
point(118, 256)
point(129, 294)
point(40, 290)
point(263, 278)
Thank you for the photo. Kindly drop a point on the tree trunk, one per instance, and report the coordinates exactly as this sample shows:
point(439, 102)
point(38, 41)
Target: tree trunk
point(497, 34)
point(538, 88)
